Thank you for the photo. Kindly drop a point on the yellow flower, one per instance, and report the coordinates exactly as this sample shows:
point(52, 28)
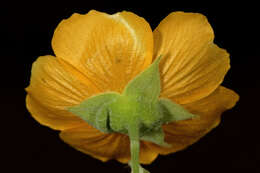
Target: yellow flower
point(97, 53)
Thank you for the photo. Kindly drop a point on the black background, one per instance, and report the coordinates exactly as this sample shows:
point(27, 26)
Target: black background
point(28, 146)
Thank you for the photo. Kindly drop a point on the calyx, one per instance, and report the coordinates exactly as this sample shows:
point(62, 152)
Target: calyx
point(137, 112)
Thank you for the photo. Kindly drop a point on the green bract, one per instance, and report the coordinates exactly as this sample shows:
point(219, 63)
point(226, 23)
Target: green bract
point(137, 112)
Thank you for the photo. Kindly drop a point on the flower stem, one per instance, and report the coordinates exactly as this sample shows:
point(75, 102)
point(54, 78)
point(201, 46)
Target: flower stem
point(134, 146)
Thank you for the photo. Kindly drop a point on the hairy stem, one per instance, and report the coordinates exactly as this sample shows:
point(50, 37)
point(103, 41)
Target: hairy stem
point(134, 146)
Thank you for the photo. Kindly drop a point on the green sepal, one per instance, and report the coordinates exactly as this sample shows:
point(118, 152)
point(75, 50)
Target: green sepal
point(95, 110)
point(173, 112)
point(146, 85)
point(156, 136)
point(139, 99)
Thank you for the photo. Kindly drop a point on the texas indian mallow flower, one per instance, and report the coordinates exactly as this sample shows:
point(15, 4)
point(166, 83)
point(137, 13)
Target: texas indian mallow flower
point(118, 90)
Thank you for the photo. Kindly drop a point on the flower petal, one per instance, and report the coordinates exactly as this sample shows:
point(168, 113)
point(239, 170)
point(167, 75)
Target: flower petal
point(184, 133)
point(52, 90)
point(192, 66)
point(108, 49)
point(104, 146)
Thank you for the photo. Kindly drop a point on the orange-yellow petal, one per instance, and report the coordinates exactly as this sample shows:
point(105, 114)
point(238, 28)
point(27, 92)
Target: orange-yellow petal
point(192, 66)
point(52, 90)
point(104, 146)
point(108, 49)
point(184, 133)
